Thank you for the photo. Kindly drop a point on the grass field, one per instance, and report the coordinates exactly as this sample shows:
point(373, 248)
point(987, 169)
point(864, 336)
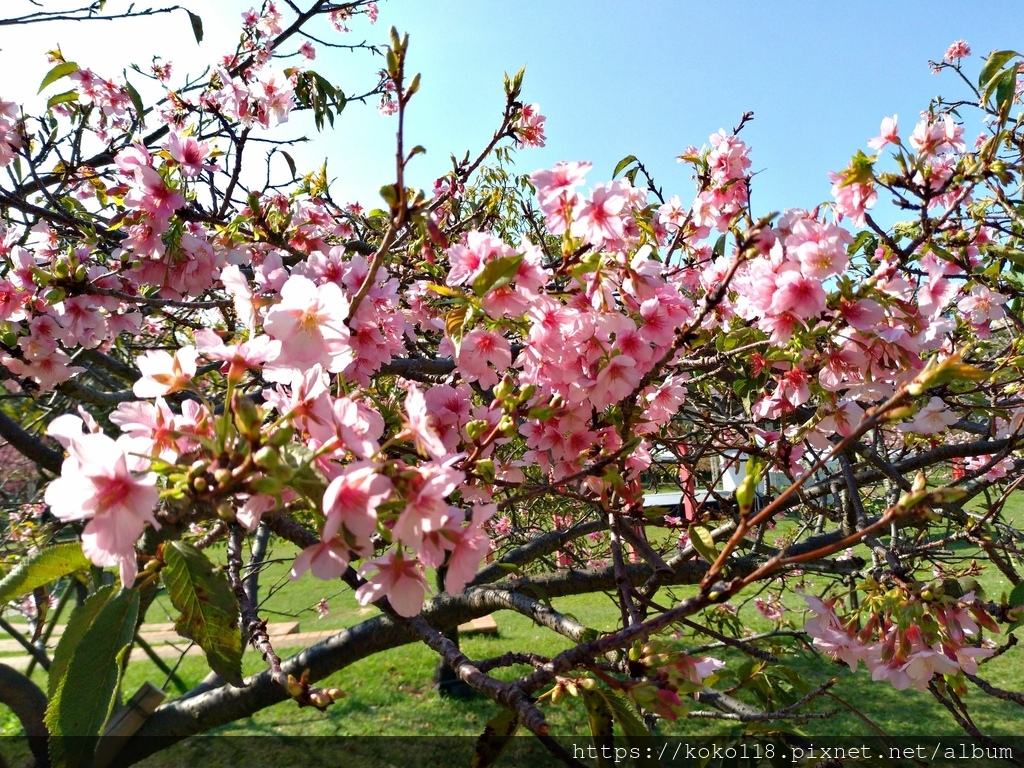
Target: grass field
point(392, 693)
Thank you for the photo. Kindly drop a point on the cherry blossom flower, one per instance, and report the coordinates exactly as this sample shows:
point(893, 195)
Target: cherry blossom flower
point(419, 426)
point(237, 358)
point(189, 154)
point(101, 484)
point(163, 373)
point(888, 133)
point(471, 544)
point(598, 218)
point(958, 50)
point(483, 356)
point(309, 321)
point(934, 419)
point(563, 177)
point(529, 127)
point(398, 578)
point(352, 498)
point(326, 560)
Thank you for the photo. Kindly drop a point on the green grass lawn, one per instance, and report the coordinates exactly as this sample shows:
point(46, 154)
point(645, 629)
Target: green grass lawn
point(392, 693)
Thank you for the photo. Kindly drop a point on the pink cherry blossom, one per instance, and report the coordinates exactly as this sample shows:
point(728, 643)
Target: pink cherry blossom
point(529, 127)
point(888, 133)
point(798, 294)
point(309, 322)
point(564, 177)
point(237, 358)
point(598, 218)
point(483, 356)
point(97, 483)
point(352, 499)
point(398, 578)
point(188, 153)
point(419, 426)
point(471, 544)
point(934, 419)
point(327, 560)
point(615, 381)
point(163, 373)
point(958, 50)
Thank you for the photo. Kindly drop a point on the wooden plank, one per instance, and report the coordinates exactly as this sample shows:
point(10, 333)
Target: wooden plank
point(154, 634)
point(485, 625)
point(126, 721)
point(154, 637)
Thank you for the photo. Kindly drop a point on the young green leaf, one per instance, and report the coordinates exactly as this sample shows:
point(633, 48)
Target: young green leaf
point(209, 609)
point(140, 108)
point(455, 323)
point(42, 568)
point(599, 715)
point(495, 739)
point(634, 728)
point(497, 274)
point(623, 164)
point(63, 69)
point(703, 542)
point(993, 64)
point(61, 98)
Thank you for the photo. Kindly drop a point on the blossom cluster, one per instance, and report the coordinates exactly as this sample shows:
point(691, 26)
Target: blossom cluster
point(908, 649)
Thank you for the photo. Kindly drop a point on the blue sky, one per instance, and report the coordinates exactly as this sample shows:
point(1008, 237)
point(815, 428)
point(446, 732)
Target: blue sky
point(646, 77)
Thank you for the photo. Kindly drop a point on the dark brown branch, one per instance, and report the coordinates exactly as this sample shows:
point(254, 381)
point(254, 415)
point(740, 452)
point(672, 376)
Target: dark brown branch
point(28, 703)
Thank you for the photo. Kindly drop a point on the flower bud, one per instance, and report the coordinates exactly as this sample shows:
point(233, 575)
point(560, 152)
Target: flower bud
point(248, 419)
point(503, 388)
point(267, 485)
point(281, 437)
point(557, 693)
point(267, 458)
point(476, 429)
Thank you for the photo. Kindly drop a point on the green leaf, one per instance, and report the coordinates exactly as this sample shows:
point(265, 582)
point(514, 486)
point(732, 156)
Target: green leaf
point(1017, 595)
point(444, 290)
point(627, 717)
point(623, 164)
point(719, 249)
point(209, 609)
point(1006, 87)
point(40, 569)
point(1016, 600)
point(497, 274)
point(81, 619)
point(634, 728)
point(85, 694)
point(495, 739)
point(703, 542)
point(454, 323)
point(197, 26)
point(61, 98)
point(995, 62)
point(63, 69)
point(140, 108)
point(599, 715)
point(291, 163)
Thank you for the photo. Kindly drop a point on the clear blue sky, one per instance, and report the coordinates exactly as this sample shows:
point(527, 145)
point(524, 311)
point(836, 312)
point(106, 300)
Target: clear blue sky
point(643, 77)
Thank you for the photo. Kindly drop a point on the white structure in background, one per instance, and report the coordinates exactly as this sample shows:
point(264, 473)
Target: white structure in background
point(727, 468)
